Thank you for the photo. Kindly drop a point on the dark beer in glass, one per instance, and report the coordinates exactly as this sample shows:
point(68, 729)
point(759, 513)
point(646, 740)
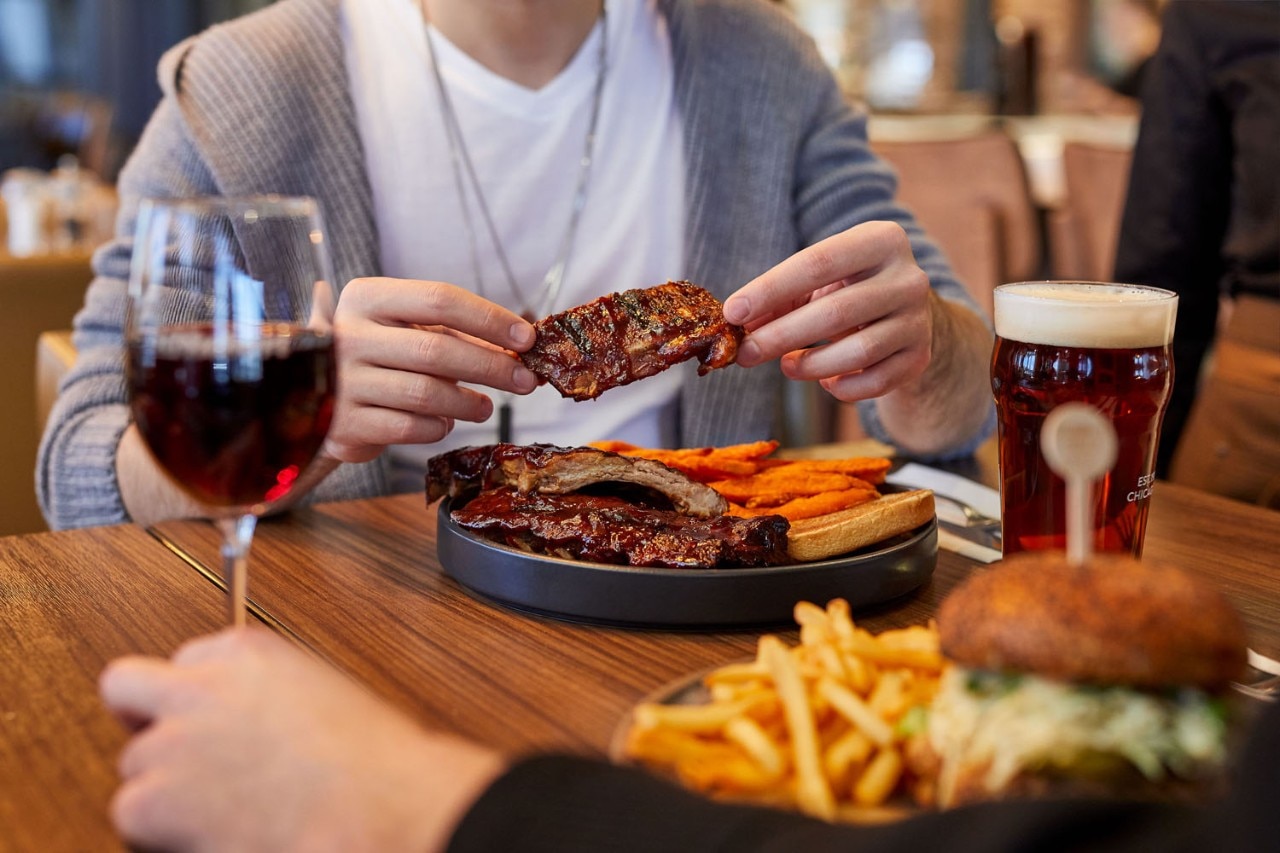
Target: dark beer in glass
point(1107, 345)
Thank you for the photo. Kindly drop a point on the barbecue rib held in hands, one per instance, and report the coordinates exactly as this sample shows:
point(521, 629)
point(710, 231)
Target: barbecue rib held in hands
point(626, 336)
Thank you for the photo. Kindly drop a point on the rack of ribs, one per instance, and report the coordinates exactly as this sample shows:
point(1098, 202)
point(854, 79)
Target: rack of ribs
point(548, 469)
point(626, 336)
point(610, 529)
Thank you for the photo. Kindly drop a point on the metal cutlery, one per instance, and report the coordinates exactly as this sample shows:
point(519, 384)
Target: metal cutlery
point(1268, 689)
point(973, 517)
point(1265, 681)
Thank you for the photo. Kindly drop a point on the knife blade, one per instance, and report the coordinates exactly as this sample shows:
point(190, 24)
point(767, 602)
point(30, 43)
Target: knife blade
point(967, 542)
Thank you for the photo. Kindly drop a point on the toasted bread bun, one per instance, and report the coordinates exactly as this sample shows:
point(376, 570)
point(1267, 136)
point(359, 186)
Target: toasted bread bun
point(1114, 620)
point(849, 529)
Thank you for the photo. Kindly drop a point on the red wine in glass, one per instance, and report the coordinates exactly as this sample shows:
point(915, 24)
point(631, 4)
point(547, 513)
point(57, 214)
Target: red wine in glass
point(234, 422)
point(231, 368)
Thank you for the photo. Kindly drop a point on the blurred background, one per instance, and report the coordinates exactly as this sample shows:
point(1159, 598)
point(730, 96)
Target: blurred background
point(1009, 122)
point(78, 75)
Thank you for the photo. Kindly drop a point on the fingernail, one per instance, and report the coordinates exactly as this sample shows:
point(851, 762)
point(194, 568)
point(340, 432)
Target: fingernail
point(737, 309)
point(522, 334)
point(748, 353)
point(523, 379)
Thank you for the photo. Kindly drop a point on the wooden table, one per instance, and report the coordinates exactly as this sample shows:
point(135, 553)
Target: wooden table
point(70, 602)
point(360, 584)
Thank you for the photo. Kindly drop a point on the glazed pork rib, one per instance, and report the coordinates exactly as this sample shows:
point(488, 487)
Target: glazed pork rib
point(547, 469)
point(626, 336)
point(608, 529)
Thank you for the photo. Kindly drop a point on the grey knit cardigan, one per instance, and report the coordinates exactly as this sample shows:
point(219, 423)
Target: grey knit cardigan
point(776, 160)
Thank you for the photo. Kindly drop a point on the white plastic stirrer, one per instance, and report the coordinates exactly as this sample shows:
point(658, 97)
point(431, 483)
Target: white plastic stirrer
point(1080, 446)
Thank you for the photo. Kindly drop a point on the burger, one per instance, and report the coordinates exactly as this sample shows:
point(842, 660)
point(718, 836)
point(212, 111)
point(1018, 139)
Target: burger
point(1097, 679)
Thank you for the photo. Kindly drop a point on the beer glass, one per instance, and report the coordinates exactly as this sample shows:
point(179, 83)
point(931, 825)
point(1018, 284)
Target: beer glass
point(1107, 345)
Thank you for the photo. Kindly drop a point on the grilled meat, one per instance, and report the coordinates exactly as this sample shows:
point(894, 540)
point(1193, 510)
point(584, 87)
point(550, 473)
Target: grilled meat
point(626, 336)
point(459, 473)
point(608, 529)
point(549, 469)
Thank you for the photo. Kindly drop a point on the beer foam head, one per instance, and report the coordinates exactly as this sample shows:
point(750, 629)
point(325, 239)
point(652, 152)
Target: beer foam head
point(1085, 314)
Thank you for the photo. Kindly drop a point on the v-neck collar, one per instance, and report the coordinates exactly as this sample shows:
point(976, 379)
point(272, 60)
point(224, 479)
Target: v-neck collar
point(466, 76)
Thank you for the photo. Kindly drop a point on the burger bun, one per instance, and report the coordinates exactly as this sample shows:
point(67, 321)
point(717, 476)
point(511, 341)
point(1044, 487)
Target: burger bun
point(1113, 620)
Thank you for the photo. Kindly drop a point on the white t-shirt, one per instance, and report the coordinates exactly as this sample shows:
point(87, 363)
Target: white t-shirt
point(526, 147)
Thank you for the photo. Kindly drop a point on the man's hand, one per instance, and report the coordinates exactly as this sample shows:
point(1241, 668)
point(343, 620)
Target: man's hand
point(857, 315)
point(403, 347)
point(247, 743)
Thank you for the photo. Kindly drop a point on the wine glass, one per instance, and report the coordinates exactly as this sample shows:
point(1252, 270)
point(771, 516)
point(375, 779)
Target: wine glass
point(231, 368)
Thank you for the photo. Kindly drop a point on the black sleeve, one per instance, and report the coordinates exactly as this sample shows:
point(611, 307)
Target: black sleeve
point(567, 805)
point(1178, 203)
point(564, 805)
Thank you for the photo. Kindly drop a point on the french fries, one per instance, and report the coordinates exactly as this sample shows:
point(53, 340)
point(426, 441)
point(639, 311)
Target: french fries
point(819, 726)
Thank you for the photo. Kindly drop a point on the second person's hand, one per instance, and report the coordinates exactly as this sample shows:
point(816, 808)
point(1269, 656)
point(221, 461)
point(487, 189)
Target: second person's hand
point(403, 348)
point(244, 742)
point(853, 312)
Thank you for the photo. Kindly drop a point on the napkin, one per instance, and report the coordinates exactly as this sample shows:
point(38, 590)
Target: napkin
point(945, 484)
point(1264, 663)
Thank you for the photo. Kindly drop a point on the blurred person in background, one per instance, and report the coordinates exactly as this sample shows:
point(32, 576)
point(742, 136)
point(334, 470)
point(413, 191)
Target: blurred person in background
point(1202, 218)
point(1123, 35)
point(449, 143)
point(1128, 32)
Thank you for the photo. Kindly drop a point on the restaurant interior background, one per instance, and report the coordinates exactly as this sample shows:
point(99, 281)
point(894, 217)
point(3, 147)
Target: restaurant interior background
point(1010, 122)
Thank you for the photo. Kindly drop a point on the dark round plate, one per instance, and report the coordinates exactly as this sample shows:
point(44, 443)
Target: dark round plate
point(634, 597)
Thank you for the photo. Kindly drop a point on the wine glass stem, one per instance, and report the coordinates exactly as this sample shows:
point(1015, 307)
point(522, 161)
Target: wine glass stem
point(237, 537)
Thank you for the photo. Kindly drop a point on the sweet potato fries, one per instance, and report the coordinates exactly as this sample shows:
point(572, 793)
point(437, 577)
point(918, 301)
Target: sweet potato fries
point(755, 484)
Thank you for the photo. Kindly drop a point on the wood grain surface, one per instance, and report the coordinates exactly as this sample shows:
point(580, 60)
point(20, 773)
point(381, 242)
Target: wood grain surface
point(1235, 545)
point(70, 602)
point(359, 583)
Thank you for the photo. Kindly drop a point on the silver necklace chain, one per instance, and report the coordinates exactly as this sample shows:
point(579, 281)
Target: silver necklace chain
point(460, 160)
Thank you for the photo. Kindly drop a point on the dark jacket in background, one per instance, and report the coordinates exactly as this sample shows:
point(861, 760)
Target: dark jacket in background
point(1203, 211)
